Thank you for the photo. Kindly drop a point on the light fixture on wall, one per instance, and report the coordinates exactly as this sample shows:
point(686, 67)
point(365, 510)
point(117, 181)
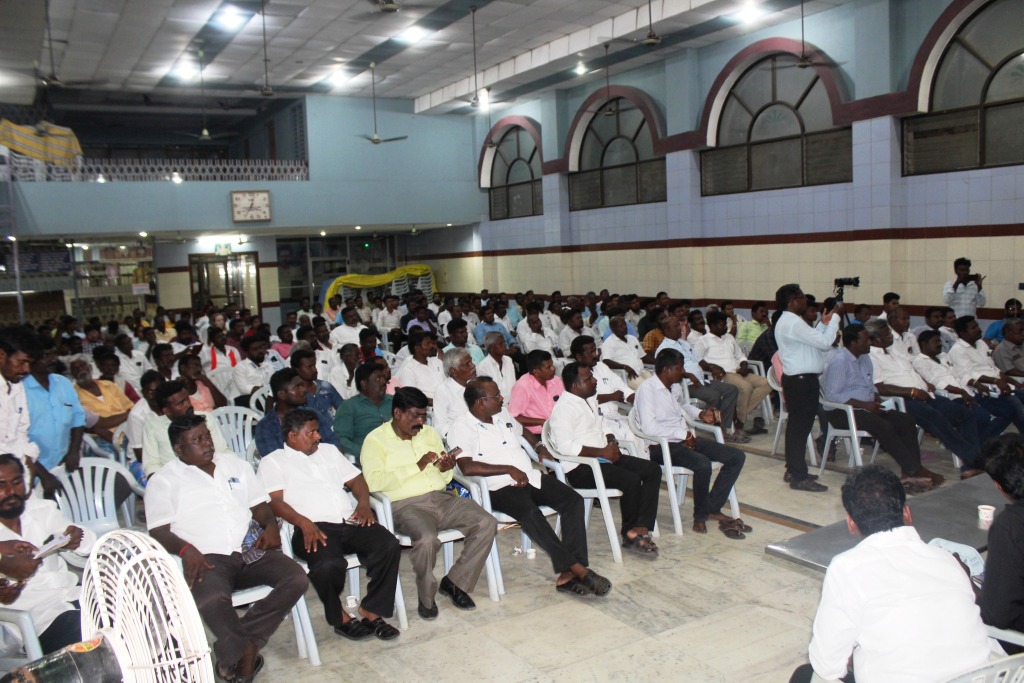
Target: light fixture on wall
point(323, 233)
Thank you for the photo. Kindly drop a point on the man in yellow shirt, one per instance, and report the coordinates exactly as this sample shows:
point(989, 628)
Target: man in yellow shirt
point(406, 460)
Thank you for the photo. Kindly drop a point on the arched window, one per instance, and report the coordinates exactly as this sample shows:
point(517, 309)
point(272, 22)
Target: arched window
point(516, 176)
point(776, 130)
point(977, 97)
point(617, 163)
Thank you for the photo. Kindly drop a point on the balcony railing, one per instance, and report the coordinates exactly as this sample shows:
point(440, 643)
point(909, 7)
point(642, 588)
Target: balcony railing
point(27, 169)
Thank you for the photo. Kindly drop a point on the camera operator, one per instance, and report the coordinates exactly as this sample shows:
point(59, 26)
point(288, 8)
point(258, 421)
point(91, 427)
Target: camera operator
point(964, 294)
point(802, 350)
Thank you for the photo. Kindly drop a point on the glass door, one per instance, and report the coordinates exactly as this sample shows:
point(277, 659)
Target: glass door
point(224, 281)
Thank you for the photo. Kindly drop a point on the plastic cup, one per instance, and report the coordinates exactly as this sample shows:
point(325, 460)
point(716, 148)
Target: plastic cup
point(986, 513)
point(531, 554)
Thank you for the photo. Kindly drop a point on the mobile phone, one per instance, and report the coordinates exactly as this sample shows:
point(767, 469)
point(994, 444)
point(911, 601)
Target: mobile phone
point(349, 520)
point(455, 451)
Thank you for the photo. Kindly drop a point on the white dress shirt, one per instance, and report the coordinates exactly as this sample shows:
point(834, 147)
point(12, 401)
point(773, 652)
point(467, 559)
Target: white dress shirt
point(51, 590)
point(211, 513)
point(156, 442)
point(449, 405)
point(971, 362)
point(493, 443)
point(574, 424)
point(888, 597)
point(138, 416)
point(504, 376)
point(247, 375)
point(905, 344)
point(693, 337)
point(567, 335)
point(721, 351)
point(939, 373)
point(625, 352)
point(338, 377)
point(544, 341)
point(609, 381)
point(965, 299)
point(659, 410)
point(425, 377)
point(802, 348)
point(895, 369)
point(313, 484)
point(133, 367)
point(344, 334)
point(14, 422)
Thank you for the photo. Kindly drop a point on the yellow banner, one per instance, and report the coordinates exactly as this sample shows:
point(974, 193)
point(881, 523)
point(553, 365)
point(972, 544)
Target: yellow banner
point(44, 141)
point(357, 281)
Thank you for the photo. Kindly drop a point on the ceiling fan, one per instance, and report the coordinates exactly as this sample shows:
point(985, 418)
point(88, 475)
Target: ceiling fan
point(52, 80)
point(389, 7)
point(475, 100)
point(807, 59)
point(652, 39)
point(266, 90)
point(610, 107)
point(205, 135)
point(375, 138)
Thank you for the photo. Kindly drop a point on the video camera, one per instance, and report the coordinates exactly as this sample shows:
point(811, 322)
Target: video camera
point(841, 282)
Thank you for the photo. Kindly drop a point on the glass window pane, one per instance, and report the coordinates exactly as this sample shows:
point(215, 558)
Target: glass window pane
point(509, 145)
point(538, 198)
point(590, 155)
point(996, 31)
point(644, 143)
point(776, 164)
point(630, 119)
point(585, 190)
point(940, 142)
point(499, 171)
point(520, 200)
point(959, 81)
point(1008, 83)
point(619, 186)
point(619, 151)
point(605, 122)
point(790, 82)
point(777, 121)
point(535, 163)
point(732, 129)
point(816, 110)
point(1004, 134)
point(499, 205)
point(828, 157)
point(723, 170)
point(520, 172)
point(755, 86)
point(652, 181)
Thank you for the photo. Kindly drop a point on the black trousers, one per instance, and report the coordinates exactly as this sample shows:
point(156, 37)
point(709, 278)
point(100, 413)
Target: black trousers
point(896, 433)
point(378, 551)
point(65, 630)
point(801, 392)
point(805, 672)
point(707, 499)
point(523, 504)
point(640, 483)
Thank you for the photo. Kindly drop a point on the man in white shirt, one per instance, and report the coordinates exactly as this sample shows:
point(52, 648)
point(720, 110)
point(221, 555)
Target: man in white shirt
point(133, 363)
point(209, 509)
point(573, 327)
point(903, 340)
point(660, 407)
point(48, 592)
point(17, 347)
point(254, 372)
point(933, 319)
point(696, 325)
point(971, 359)
point(622, 351)
point(575, 429)
point(143, 411)
point(173, 401)
point(497, 365)
point(904, 610)
point(423, 369)
point(449, 402)
point(802, 349)
point(348, 331)
point(963, 293)
point(727, 364)
point(306, 482)
point(611, 389)
point(489, 439)
point(536, 337)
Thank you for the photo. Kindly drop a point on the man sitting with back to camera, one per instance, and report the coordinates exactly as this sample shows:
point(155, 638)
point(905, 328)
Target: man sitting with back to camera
point(903, 610)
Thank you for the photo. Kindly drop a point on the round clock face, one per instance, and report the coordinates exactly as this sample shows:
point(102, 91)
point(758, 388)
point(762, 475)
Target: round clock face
point(249, 206)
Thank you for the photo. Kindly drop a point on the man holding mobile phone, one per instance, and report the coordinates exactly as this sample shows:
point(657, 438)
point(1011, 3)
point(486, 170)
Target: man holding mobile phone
point(964, 294)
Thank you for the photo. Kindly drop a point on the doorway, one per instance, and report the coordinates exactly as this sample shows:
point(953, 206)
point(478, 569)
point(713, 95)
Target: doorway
point(231, 280)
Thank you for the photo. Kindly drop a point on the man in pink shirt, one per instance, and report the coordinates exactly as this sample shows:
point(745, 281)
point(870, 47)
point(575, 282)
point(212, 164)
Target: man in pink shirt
point(534, 394)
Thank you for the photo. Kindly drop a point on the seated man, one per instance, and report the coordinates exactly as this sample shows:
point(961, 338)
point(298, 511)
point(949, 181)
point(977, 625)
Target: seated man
point(1008, 355)
point(696, 326)
point(289, 391)
point(726, 362)
point(97, 395)
point(489, 439)
point(45, 588)
point(172, 400)
point(572, 327)
point(321, 394)
point(949, 422)
point(971, 361)
point(622, 351)
point(306, 482)
point(659, 407)
point(904, 342)
point(254, 372)
point(144, 411)
point(108, 364)
point(348, 329)
point(449, 403)
point(933, 319)
point(364, 412)
point(535, 393)
point(497, 364)
point(1002, 600)
point(848, 378)
point(750, 330)
point(575, 429)
point(202, 392)
point(904, 610)
point(208, 508)
point(458, 335)
point(406, 461)
point(994, 332)
point(611, 389)
point(423, 369)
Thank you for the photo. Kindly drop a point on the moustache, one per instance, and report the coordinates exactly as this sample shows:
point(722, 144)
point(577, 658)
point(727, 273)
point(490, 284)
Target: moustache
point(417, 427)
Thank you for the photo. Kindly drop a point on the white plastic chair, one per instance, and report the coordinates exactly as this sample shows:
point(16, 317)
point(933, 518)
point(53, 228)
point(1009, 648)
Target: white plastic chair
point(773, 382)
point(390, 358)
point(258, 400)
point(600, 492)
point(30, 650)
point(236, 424)
point(757, 367)
point(1008, 670)
point(120, 442)
point(88, 495)
point(447, 537)
point(674, 476)
point(851, 435)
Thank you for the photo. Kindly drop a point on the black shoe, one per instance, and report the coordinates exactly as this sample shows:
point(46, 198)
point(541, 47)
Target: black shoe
point(458, 596)
point(427, 613)
point(758, 423)
point(354, 629)
point(755, 430)
point(788, 477)
point(807, 484)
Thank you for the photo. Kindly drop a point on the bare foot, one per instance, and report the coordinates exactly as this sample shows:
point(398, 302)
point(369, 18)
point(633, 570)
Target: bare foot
point(936, 478)
point(247, 663)
point(700, 526)
point(367, 614)
point(719, 517)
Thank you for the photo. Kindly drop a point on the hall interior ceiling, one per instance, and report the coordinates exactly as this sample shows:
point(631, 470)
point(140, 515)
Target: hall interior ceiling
point(131, 51)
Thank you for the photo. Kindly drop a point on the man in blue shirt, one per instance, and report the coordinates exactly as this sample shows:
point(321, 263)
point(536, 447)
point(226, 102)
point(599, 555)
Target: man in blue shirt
point(57, 417)
point(488, 324)
point(849, 379)
point(289, 392)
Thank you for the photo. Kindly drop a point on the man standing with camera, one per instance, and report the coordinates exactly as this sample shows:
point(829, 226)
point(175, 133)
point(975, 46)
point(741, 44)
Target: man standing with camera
point(964, 294)
point(802, 349)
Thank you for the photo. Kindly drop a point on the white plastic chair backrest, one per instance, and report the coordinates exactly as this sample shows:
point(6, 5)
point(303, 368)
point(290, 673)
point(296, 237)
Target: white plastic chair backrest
point(120, 443)
point(1007, 670)
point(236, 424)
point(391, 358)
point(88, 493)
point(258, 401)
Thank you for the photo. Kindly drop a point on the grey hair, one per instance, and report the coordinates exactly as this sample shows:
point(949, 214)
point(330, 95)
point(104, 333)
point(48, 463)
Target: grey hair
point(81, 357)
point(452, 357)
point(302, 346)
point(492, 338)
point(876, 327)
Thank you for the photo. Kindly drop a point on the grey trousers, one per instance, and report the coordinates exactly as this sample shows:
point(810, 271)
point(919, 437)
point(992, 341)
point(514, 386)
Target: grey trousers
point(719, 395)
point(421, 517)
